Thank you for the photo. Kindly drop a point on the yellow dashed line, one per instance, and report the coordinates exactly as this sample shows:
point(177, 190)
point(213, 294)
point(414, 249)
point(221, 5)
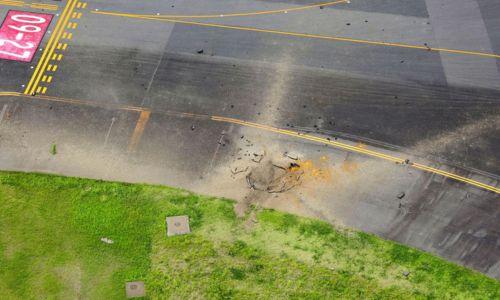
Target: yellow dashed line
point(44, 78)
point(49, 79)
point(84, 5)
point(54, 68)
point(44, 89)
point(38, 89)
point(79, 5)
point(59, 57)
point(64, 46)
point(59, 46)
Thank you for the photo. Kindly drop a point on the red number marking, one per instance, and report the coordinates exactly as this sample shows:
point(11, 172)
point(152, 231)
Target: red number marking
point(21, 34)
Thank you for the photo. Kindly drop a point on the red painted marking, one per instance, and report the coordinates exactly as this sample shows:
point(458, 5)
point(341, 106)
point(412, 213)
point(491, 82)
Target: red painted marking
point(21, 34)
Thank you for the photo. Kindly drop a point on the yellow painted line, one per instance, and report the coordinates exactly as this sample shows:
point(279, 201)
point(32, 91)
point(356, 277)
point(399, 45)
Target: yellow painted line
point(75, 25)
point(139, 130)
point(256, 13)
point(70, 36)
point(64, 46)
point(44, 6)
point(49, 79)
point(59, 46)
point(59, 57)
point(79, 5)
point(45, 55)
point(10, 94)
point(84, 5)
point(32, 5)
point(358, 149)
point(307, 35)
point(12, 3)
point(44, 78)
point(44, 89)
point(54, 68)
point(38, 89)
point(58, 32)
point(145, 114)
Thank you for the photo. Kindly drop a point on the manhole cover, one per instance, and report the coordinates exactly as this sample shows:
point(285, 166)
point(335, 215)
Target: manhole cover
point(135, 289)
point(177, 225)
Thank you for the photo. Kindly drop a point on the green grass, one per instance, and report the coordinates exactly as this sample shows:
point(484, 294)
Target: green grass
point(50, 248)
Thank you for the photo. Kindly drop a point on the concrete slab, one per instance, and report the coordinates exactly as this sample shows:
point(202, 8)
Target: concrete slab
point(177, 225)
point(135, 289)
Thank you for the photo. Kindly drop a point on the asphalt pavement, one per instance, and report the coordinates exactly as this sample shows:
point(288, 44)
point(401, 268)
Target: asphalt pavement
point(159, 91)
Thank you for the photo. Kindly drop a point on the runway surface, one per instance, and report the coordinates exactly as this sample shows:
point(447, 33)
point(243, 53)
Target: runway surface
point(397, 101)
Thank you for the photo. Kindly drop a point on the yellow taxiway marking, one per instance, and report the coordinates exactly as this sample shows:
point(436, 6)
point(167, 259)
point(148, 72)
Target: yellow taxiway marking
point(305, 35)
point(358, 149)
point(49, 49)
point(145, 114)
point(15, 94)
point(139, 130)
point(255, 13)
point(32, 5)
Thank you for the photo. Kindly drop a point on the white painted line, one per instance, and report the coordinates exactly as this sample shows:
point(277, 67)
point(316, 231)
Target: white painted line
point(4, 109)
point(109, 131)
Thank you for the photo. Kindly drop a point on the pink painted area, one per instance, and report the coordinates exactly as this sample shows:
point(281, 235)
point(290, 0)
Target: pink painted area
point(21, 33)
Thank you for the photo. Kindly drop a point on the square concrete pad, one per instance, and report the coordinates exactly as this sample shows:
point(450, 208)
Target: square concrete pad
point(177, 225)
point(135, 289)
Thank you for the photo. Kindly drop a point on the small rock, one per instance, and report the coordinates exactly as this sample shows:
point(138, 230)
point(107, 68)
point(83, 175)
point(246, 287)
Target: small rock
point(401, 195)
point(406, 273)
point(192, 127)
point(321, 7)
point(199, 51)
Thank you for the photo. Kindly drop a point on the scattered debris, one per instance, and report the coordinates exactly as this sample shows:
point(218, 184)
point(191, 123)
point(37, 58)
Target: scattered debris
point(401, 195)
point(106, 240)
point(237, 170)
point(257, 157)
point(192, 127)
point(291, 156)
point(135, 289)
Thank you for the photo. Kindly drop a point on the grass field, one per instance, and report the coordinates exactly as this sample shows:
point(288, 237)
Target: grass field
point(50, 248)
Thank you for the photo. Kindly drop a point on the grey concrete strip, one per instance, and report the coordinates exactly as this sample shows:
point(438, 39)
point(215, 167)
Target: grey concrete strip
point(459, 25)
